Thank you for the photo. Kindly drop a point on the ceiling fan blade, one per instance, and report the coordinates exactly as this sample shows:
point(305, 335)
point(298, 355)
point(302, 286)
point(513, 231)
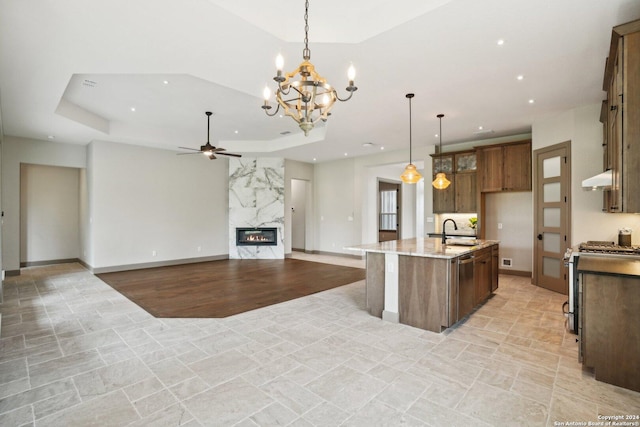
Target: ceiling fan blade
point(211, 156)
point(219, 149)
point(231, 154)
point(182, 154)
point(187, 148)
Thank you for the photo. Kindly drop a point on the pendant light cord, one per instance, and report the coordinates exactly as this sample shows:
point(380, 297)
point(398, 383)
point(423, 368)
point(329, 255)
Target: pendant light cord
point(410, 130)
point(440, 116)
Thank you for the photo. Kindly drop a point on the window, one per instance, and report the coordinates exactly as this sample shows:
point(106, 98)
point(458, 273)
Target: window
point(389, 210)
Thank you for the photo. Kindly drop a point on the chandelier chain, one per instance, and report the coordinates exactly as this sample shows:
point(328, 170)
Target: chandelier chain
point(306, 53)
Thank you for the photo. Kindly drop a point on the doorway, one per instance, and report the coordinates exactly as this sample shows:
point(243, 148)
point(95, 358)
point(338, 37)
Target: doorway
point(389, 214)
point(298, 214)
point(552, 216)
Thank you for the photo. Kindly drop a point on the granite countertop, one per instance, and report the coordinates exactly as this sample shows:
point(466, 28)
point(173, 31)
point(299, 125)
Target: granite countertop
point(423, 247)
point(609, 265)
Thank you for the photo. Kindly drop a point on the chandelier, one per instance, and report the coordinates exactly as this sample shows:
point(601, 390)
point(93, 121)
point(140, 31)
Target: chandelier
point(310, 98)
point(410, 174)
point(440, 182)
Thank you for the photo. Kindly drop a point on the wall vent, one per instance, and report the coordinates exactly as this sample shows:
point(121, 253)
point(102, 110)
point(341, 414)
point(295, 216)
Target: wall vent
point(507, 262)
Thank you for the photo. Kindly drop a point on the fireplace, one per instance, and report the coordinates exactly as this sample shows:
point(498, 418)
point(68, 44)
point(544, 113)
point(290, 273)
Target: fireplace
point(257, 236)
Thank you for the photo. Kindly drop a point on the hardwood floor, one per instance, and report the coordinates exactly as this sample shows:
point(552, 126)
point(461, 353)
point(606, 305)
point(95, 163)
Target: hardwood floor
point(227, 287)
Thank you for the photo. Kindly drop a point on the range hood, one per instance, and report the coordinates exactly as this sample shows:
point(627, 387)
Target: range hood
point(601, 181)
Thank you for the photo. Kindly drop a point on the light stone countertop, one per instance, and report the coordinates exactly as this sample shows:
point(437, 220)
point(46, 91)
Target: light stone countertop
point(424, 247)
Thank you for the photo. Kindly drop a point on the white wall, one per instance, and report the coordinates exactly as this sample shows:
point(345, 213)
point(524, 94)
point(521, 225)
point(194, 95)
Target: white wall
point(336, 206)
point(514, 211)
point(145, 200)
point(17, 151)
point(49, 213)
point(582, 127)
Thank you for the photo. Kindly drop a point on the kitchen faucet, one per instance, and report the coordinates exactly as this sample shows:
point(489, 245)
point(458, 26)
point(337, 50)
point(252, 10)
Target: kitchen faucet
point(444, 235)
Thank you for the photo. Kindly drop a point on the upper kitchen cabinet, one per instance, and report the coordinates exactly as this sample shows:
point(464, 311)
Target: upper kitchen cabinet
point(460, 168)
point(504, 167)
point(621, 119)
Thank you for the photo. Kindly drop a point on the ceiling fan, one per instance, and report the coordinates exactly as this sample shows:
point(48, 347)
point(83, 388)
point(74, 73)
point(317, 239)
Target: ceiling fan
point(207, 149)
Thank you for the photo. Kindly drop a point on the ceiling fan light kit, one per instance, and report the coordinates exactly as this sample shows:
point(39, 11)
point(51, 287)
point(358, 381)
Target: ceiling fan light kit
point(207, 149)
point(310, 98)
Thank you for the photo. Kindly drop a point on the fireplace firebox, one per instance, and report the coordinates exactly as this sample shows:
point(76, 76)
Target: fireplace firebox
point(263, 236)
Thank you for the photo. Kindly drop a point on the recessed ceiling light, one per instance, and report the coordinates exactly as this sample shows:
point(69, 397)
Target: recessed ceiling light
point(51, 137)
point(382, 148)
point(520, 77)
point(346, 154)
point(531, 101)
point(236, 132)
point(436, 135)
point(479, 127)
point(165, 82)
point(314, 159)
point(367, 144)
point(133, 108)
point(500, 42)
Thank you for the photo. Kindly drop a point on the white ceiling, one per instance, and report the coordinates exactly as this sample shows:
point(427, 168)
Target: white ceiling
point(73, 69)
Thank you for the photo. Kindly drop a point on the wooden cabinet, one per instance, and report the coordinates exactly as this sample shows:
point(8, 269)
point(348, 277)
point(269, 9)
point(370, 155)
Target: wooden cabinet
point(621, 119)
point(608, 327)
point(460, 169)
point(505, 167)
point(482, 275)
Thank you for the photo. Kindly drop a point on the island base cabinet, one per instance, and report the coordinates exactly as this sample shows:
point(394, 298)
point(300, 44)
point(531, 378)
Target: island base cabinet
point(610, 336)
point(426, 299)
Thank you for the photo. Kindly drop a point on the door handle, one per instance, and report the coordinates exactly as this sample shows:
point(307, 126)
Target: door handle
point(539, 236)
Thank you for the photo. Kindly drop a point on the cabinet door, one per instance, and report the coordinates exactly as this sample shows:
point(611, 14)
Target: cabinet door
point(444, 200)
point(482, 275)
point(465, 190)
point(614, 134)
point(490, 168)
point(517, 167)
point(495, 254)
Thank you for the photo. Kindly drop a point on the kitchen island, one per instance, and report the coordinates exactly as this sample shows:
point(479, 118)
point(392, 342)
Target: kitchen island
point(428, 284)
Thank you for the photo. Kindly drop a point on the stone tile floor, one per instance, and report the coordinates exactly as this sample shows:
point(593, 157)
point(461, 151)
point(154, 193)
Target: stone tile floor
point(74, 352)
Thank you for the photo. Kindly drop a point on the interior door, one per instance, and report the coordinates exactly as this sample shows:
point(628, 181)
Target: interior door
point(552, 216)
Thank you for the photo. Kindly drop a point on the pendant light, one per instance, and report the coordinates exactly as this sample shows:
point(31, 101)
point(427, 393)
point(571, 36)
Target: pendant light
point(440, 182)
point(410, 174)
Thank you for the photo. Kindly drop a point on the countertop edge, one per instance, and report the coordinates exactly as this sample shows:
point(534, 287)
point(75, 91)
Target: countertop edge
point(434, 250)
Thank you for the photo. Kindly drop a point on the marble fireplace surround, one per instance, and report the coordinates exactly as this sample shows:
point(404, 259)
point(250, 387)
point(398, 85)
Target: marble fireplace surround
point(256, 200)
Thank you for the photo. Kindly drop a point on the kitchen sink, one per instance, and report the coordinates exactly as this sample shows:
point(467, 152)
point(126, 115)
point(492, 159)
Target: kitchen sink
point(462, 241)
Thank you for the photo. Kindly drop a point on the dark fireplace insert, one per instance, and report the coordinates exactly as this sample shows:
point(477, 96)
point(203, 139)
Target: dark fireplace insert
point(264, 236)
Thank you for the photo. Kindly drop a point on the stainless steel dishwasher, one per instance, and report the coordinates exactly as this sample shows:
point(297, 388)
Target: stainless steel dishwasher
point(465, 285)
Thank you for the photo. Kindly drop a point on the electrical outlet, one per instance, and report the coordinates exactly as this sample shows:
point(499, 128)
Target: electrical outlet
point(154, 253)
point(199, 248)
point(499, 226)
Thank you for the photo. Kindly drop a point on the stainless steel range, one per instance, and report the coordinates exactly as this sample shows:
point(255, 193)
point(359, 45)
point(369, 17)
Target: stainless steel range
point(599, 247)
point(572, 258)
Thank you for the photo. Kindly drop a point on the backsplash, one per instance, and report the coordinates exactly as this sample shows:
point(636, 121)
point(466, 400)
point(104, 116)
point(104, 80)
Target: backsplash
point(462, 220)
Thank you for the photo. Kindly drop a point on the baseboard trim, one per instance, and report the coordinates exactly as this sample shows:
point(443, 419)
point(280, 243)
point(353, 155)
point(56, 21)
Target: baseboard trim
point(48, 262)
point(142, 266)
point(337, 254)
point(390, 316)
point(514, 272)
